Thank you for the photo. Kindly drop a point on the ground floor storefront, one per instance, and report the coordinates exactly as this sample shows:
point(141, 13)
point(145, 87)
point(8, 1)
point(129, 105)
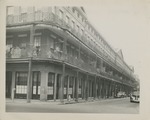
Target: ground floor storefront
point(57, 81)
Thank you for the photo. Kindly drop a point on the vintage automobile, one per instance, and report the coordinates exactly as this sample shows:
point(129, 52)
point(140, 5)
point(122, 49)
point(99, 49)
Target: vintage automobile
point(135, 96)
point(120, 94)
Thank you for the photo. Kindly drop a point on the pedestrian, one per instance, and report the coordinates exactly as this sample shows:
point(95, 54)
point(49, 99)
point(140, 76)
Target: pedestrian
point(69, 98)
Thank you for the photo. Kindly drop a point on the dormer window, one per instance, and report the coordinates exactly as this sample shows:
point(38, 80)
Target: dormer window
point(77, 28)
point(67, 19)
point(60, 14)
point(72, 24)
point(78, 15)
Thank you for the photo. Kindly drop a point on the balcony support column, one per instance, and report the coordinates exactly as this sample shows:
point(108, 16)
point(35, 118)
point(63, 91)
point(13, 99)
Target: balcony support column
point(106, 89)
point(55, 86)
point(13, 85)
point(115, 87)
point(86, 88)
point(29, 81)
point(67, 90)
point(77, 86)
point(95, 88)
point(101, 88)
point(110, 89)
point(61, 90)
point(98, 88)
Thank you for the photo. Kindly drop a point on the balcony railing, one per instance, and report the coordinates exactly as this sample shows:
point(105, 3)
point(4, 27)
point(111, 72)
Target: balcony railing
point(17, 52)
point(37, 52)
point(43, 52)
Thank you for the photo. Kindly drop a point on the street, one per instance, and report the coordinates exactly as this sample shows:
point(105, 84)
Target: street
point(122, 106)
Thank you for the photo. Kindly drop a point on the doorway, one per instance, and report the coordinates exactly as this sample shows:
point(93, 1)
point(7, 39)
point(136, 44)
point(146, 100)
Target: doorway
point(50, 85)
point(36, 82)
point(8, 84)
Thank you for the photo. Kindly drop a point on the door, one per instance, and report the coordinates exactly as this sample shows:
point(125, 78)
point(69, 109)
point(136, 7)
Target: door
point(8, 84)
point(21, 85)
point(58, 85)
point(36, 82)
point(50, 85)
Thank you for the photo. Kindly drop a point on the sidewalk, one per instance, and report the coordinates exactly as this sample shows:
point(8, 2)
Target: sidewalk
point(57, 102)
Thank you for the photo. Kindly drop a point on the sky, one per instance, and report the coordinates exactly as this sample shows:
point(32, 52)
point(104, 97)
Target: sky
point(124, 25)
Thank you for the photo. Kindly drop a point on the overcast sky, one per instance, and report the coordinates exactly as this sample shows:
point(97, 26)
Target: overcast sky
point(125, 26)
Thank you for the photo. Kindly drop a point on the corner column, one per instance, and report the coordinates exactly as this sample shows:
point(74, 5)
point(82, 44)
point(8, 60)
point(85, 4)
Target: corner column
point(61, 90)
point(29, 81)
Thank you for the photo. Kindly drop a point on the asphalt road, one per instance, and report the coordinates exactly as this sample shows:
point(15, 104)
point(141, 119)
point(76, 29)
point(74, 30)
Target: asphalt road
point(122, 106)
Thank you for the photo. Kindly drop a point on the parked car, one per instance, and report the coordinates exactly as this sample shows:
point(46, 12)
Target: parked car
point(121, 94)
point(135, 96)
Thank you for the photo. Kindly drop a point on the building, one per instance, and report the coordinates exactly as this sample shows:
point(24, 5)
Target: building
point(54, 52)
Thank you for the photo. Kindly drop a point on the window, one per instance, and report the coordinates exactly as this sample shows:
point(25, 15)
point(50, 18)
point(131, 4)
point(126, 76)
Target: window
point(73, 10)
point(78, 15)
point(37, 45)
point(51, 78)
point(10, 10)
point(68, 49)
point(76, 53)
point(37, 41)
point(77, 28)
point(21, 82)
point(81, 31)
point(22, 43)
point(58, 45)
point(53, 9)
point(23, 17)
point(67, 19)
point(36, 83)
point(72, 24)
point(51, 42)
point(60, 14)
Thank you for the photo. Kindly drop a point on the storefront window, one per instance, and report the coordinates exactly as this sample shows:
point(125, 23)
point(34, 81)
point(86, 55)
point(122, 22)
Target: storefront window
point(50, 85)
point(51, 78)
point(21, 84)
